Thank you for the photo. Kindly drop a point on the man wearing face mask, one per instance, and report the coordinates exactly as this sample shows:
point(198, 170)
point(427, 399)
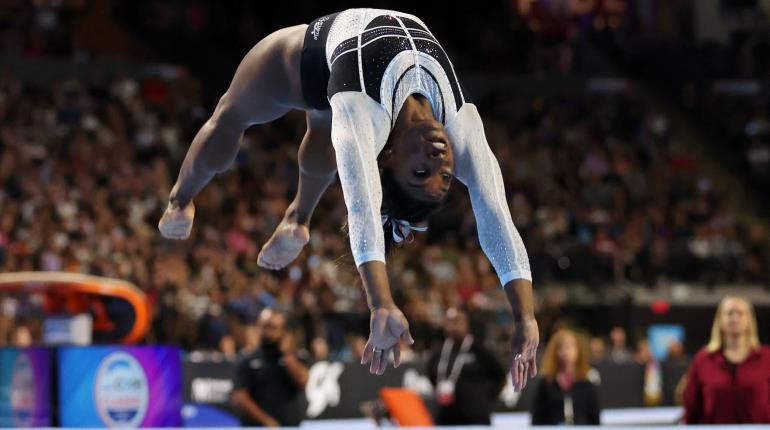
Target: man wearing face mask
point(466, 375)
point(269, 382)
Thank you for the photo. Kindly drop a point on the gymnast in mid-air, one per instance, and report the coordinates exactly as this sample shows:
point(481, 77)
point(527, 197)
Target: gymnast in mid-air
point(386, 111)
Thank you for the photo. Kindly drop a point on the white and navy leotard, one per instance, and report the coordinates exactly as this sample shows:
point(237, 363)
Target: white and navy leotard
point(363, 64)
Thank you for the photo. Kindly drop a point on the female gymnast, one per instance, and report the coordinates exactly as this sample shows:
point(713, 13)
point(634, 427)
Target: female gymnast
point(386, 111)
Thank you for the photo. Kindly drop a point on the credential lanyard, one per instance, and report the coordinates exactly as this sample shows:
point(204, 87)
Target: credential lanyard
point(457, 366)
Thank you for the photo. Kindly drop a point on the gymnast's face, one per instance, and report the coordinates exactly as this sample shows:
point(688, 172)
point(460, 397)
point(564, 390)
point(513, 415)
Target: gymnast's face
point(422, 161)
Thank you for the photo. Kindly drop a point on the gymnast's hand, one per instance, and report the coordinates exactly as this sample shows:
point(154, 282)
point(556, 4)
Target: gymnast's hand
point(524, 343)
point(176, 222)
point(387, 326)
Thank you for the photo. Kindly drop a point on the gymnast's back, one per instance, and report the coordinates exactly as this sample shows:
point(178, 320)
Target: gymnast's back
point(385, 54)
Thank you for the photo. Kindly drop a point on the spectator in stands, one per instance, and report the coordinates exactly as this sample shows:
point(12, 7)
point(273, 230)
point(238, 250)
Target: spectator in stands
point(728, 379)
point(84, 169)
point(619, 352)
point(355, 346)
point(228, 348)
point(466, 375)
point(407, 354)
point(598, 349)
point(251, 339)
point(269, 383)
point(643, 353)
point(564, 394)
point(675, 352)
point(319, 349)
point(22, 337)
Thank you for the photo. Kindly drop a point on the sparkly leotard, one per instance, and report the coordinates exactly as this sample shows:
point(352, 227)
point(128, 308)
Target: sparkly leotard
point(364, 64)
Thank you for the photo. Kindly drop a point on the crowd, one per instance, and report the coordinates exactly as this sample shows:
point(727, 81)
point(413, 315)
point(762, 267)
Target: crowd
point(738, 111)
point(715, 67)
point(202, 33)
point(602, 188)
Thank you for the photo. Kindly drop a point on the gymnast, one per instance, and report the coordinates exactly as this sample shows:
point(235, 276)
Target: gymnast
point(386, 111)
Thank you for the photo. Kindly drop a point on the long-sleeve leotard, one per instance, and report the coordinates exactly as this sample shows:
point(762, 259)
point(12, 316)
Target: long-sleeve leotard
point(376, 59)
point(360, 128)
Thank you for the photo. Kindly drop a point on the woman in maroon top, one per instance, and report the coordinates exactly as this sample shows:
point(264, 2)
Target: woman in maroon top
point(729, 380)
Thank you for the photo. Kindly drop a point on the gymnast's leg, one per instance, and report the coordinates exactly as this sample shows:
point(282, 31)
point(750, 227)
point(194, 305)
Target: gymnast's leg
point(317, 166)
point(265, 86)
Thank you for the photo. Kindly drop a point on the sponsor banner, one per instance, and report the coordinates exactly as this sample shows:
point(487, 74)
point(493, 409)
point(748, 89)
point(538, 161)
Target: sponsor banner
point(337, 390)
point(25, 387)
point(334, 389)
point(116, 386)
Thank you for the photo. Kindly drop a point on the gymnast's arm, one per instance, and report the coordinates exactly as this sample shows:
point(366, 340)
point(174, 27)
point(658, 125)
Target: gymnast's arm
point(360, 128)
point(477, 167)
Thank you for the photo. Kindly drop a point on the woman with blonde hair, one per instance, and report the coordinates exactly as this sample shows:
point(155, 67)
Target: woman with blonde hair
point(564, 395)
point(729, 380)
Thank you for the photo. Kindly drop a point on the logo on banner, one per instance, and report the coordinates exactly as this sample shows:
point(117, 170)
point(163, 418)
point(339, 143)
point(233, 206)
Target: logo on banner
point(211, 390)
point(23, 391)
point(323, 387)
point(121, 390)
point(420, 384)
point(509, 396)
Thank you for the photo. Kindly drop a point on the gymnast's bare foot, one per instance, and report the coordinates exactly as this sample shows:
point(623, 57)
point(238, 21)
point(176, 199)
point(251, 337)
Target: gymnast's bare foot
point(284, 246)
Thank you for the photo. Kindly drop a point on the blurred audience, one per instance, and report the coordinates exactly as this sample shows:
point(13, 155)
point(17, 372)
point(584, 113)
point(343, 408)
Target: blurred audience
point(21, 337)
point(84, 175)
point(598, 349)
point(356, 345)
point(643, 353)
point(604, 188)
point(619, 352)
point(675, 353)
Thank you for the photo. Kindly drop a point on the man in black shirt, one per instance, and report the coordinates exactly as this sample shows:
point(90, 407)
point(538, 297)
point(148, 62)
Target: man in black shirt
point(268, 383)
point(467, 377)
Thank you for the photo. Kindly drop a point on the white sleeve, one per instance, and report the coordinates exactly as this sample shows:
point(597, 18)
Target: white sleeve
point(360, 128)
point(477, 167)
